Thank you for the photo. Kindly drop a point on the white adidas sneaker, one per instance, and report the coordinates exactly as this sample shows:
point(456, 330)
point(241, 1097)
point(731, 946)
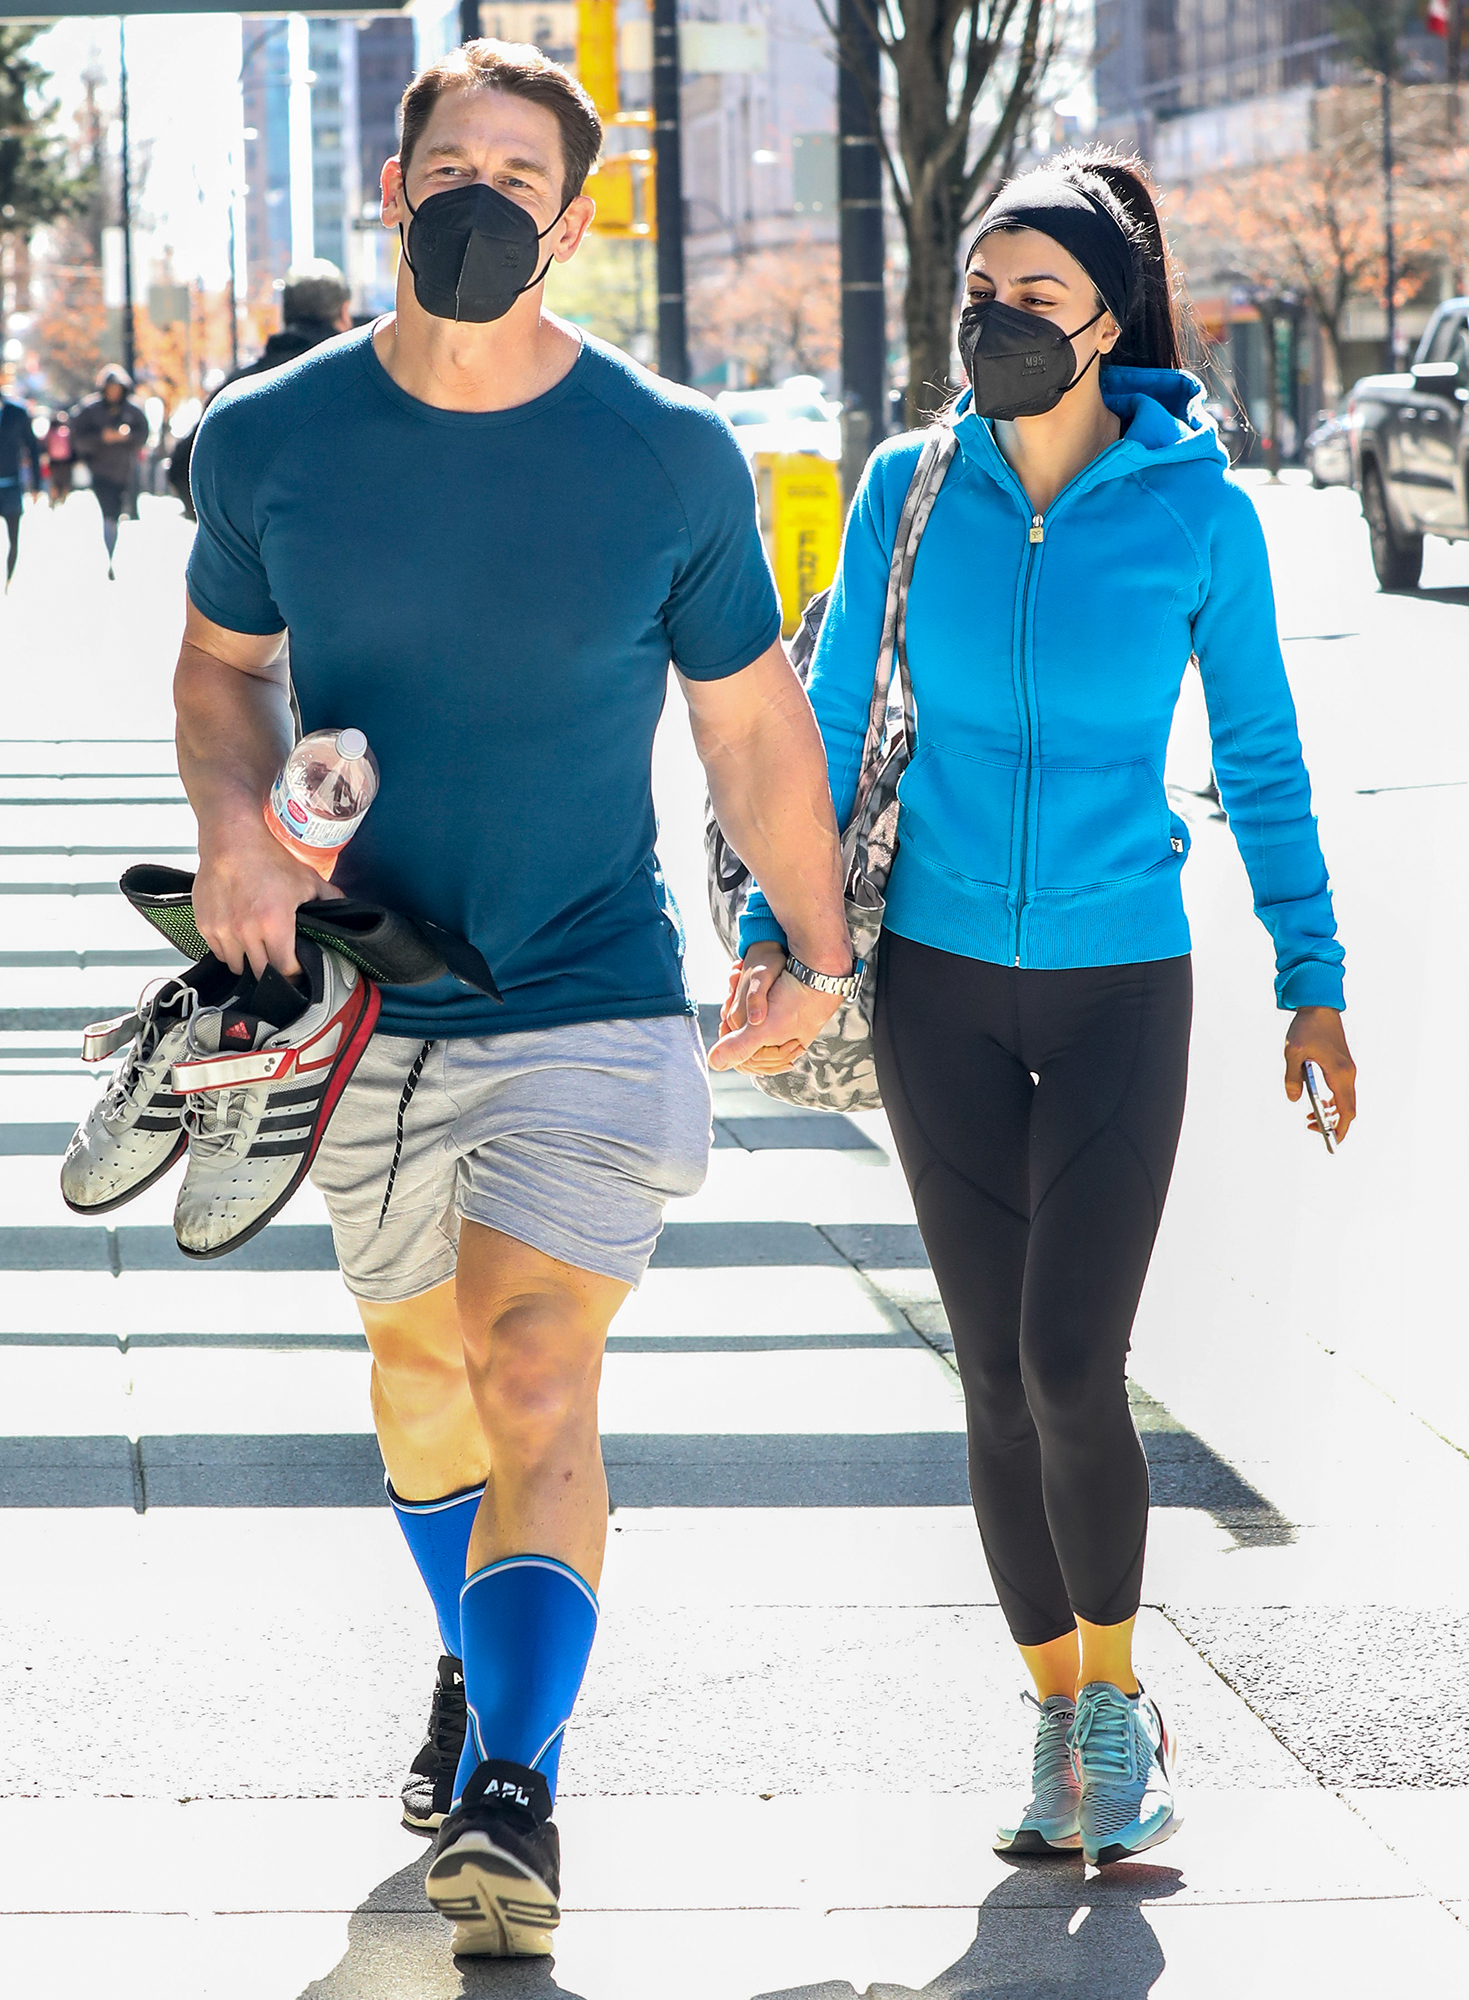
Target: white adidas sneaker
point(134, 1132)
point(262, 1076)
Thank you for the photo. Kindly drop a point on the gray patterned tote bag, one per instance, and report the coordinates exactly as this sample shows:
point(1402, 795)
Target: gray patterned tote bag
point(838, 1072)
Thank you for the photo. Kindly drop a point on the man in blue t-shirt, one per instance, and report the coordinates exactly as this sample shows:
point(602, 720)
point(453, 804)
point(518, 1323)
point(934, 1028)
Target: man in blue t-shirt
point(488, 536)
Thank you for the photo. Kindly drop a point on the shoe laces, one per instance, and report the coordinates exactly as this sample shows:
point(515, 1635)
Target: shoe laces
point(446, 1719)
point(214, 1119)
point(1052, 1769)
point(1105, 1736)
point(155, 998)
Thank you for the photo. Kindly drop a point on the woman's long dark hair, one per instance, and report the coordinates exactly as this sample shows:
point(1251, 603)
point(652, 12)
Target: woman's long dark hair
point(1159, 332)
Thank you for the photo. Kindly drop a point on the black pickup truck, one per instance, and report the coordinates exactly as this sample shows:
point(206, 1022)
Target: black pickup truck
point(1410, 449)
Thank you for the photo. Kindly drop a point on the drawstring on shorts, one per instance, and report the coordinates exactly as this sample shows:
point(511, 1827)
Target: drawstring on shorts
point(403, 1103)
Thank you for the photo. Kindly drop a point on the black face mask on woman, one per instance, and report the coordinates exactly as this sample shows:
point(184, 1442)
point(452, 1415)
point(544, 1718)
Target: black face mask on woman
point(469, 250)
point(1019, 364)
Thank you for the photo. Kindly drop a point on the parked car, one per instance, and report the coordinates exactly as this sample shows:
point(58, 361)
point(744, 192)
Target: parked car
point(1328, 451)
point(1409, 437)
point(795, 416)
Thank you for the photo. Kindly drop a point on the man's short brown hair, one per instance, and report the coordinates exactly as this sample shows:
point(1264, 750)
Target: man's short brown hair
point(520, 71)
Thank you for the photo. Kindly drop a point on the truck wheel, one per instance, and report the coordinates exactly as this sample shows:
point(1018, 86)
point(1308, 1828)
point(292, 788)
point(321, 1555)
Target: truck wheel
point(1397, 561)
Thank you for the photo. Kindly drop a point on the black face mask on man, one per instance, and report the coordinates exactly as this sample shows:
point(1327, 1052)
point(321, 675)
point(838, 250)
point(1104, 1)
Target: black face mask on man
point(1019, 364)
point(469, 250)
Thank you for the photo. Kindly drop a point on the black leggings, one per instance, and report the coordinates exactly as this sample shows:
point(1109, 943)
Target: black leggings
point(1039, 1201)
point(12, 542)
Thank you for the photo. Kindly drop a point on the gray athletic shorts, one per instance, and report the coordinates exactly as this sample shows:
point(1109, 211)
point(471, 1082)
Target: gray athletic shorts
point(569, 1139)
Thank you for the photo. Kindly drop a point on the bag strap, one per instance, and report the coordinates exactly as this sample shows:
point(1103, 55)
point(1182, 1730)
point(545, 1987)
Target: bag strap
point(892, 654)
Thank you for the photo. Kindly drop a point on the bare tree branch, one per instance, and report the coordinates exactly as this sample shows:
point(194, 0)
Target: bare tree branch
point(847, 56)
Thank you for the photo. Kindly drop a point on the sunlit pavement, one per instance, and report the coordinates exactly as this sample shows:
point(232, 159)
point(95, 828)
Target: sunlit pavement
point(802, 1711)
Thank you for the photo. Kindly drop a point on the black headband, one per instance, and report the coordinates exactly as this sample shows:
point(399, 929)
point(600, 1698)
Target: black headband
point(1079, 223)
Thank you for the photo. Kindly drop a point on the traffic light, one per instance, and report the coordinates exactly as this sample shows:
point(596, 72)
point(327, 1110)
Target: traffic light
point(596, 54)
point(622, 185)
point(623, 189)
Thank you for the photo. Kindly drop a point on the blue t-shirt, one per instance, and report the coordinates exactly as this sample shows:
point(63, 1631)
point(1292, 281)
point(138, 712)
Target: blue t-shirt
point(494, 599)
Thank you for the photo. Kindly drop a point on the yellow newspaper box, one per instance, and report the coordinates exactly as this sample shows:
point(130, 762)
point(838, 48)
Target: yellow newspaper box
point(801, 516)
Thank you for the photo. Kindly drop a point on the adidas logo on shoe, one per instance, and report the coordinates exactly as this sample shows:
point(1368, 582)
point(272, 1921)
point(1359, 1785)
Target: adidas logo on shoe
point(262, 1077)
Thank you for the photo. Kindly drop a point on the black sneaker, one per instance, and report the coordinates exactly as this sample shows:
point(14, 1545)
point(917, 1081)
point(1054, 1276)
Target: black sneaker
point(429, 1792)
point(497, 1873)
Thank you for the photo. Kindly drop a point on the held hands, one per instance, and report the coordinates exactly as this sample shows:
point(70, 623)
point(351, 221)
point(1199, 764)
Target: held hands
point(767, 1019)
point(247, 892)
point(1316, 1035)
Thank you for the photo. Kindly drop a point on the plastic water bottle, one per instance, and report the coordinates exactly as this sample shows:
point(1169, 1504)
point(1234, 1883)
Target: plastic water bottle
point(322, 795)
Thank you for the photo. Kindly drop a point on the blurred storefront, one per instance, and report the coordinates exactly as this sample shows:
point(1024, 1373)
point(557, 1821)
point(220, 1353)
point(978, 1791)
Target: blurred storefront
point(1206, 90)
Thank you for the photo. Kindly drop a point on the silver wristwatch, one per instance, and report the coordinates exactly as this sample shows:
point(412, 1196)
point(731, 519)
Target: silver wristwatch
point(828, 982)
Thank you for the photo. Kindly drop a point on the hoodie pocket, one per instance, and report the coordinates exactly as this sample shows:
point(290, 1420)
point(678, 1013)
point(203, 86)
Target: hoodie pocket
point(1100, 824)
point(958, 813)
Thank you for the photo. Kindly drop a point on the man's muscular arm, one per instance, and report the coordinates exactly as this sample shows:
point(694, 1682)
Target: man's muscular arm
point(233, 734)
point(763, 756)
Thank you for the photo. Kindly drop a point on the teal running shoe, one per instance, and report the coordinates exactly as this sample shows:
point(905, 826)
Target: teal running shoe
point(1125, 1754)
point(1049, 1823)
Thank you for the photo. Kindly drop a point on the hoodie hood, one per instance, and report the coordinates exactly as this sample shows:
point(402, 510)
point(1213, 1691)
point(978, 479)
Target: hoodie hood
point(1163, 422)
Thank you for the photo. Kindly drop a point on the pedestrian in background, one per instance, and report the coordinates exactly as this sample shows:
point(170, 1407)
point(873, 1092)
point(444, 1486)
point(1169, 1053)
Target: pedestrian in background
point(1034, 983)
point(58, 456)
point(17, 446)
point(108, 432)
point(316, 303)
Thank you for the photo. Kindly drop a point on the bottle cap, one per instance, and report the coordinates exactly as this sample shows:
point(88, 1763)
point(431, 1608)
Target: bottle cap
point(351, 743)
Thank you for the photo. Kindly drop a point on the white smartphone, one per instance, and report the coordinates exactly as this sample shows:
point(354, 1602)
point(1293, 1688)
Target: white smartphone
point(1321, 1103)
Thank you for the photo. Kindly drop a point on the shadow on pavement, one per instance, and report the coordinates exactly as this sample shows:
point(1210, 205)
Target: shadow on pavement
point(398, 1949)
point(1044, 1934)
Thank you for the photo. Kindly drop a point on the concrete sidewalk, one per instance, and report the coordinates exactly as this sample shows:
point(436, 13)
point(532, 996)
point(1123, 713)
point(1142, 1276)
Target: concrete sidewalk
point(803, 1709)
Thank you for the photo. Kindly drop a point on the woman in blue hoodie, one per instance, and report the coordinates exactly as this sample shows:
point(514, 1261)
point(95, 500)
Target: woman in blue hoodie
point(1034, 983)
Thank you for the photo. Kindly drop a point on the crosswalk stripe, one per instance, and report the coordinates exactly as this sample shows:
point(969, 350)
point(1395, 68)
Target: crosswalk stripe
point(907, 1469)
point(287, 1246)
point(85, 960)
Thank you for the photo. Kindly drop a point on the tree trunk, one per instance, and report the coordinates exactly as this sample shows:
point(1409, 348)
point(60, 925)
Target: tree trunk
point(928, 320)
point(1266, 315)
point(942, 171)
point(1333, 387)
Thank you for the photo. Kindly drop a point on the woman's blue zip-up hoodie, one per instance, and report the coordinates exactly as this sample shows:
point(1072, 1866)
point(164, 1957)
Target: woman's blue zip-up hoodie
point(1046, 655)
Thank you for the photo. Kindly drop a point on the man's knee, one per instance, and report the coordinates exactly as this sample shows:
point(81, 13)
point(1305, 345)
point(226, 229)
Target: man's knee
point(535, 1367)
point(420, 1398)
point(417, 1358)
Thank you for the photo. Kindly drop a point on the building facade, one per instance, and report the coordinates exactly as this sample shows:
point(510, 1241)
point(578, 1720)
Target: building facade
point(1203, 87)
point(265, 91)
point(379, 58)
point(315, 192)
point(760, 146)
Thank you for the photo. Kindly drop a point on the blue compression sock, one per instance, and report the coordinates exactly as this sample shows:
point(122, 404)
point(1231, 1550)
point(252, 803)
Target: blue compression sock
point(528, 1623)
point(437, 1533)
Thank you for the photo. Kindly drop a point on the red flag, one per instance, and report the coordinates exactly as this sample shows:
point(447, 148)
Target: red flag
point(1436, 20)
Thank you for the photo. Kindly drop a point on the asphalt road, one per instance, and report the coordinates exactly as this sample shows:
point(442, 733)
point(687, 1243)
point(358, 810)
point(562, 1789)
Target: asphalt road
point(215, 1657)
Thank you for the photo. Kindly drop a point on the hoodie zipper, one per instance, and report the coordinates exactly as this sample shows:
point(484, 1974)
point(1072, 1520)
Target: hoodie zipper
point(1035, 540)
